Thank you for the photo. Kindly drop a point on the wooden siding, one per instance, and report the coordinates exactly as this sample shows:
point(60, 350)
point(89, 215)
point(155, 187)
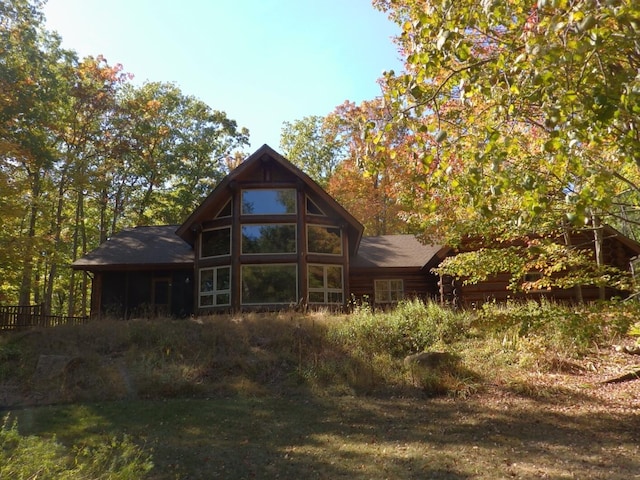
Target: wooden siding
point(495, 289)
point(417, 282)
point(129, 294)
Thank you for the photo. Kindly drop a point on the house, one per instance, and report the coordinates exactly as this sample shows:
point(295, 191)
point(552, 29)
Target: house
point(618, 251)
point(267, 237)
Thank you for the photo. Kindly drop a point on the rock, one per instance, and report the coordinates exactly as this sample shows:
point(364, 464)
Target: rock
point(430, 360)
point(51, 366)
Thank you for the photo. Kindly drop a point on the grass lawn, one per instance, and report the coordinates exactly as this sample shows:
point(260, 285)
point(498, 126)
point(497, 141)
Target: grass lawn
point(498, 434)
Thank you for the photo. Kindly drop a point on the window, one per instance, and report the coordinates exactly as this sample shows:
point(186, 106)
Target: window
point(269, 202)
point(215, 286)
point(268, 239)
point(269, 284)
point(325, 284)
point(388, 291)
point(216, 243)
point(312, 208)
point(225, 211)
point(326, 240)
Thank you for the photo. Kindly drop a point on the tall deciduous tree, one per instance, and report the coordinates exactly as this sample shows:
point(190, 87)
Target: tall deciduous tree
point(33, 71)
point(176, 147)
point(538, 99)
point(315, 144)
point(84, 153)
point(534, 107)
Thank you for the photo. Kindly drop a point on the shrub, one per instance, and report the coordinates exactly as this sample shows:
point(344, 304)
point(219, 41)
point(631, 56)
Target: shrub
point(413, 326)
point(564, 327)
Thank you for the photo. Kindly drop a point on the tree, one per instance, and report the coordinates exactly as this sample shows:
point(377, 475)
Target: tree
point(487, 75)
point(315, 145)
point(176, 147)
point(33, 70)
point(374, 179)
point(84, 153)
point(534, 110)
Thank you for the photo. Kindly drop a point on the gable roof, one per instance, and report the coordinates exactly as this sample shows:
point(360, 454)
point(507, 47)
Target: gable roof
point(265, 154)
point(396, 251)
point(151, 247)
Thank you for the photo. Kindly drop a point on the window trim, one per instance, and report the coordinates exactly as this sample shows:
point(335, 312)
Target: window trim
point(214, 292)
point(389, 290)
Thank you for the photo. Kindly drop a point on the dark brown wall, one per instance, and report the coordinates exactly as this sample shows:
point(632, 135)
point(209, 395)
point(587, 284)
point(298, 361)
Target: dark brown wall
point(417, 283)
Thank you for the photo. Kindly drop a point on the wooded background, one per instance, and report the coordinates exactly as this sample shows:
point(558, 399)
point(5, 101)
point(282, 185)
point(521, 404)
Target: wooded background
point(510, 118)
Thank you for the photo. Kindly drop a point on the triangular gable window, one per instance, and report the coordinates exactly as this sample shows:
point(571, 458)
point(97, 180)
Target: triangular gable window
point(225, 211)
point(313, 209)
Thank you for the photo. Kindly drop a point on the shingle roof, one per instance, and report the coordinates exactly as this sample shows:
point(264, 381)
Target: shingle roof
point(139, 246)
point(394, 251)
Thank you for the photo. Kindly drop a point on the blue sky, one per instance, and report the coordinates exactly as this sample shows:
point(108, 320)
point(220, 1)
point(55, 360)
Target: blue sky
point(261, 62)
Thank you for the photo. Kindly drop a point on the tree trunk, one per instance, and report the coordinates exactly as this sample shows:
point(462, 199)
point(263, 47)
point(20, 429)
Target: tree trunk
point(28, 254)
point(567, 241)
point(56, 230)
point(598, 243)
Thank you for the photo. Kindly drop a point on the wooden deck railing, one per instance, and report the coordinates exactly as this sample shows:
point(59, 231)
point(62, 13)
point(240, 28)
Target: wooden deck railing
point(19, 317)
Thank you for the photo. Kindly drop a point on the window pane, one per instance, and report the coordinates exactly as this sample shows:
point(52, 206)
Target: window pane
point(223, 278)
point(387, 291)
point(325, 283)
point(335, 297)
point(269, 202)
point(206, 280)
point(269, 239)
point(226, 211)
point(334, 277)
point(262, 284)
point(324, 240)
point(215, 284)
point(316, 297)
point(316, 276)
point(206, 300)
point(313, 209)
point(382, 291)
point(216, 242)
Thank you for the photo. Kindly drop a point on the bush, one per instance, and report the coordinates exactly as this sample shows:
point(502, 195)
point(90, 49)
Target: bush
point(564, 327)
point(413, 326)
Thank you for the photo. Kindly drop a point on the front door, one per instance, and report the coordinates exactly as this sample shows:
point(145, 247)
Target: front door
point(161, 291)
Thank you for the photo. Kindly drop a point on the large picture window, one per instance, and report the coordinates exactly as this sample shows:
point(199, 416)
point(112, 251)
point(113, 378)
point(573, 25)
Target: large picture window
point(327, 240)
point(268, 239)
point(216, 243)
point(325, 284)
point(389, 291)
point(215, 286)
point(269, 201)
point(269, 284)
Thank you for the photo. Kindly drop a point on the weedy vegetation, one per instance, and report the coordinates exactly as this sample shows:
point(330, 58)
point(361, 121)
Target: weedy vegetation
point(133, 399)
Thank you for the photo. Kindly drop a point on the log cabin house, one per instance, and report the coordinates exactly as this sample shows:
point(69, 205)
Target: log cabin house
point(267, 238)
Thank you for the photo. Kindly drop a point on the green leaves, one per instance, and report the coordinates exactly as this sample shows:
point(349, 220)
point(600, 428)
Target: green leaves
point(535, 99)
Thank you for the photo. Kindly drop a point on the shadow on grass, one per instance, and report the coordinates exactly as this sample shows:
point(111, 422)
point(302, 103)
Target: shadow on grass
point(354, 437)
point(257, 409)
